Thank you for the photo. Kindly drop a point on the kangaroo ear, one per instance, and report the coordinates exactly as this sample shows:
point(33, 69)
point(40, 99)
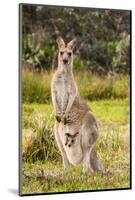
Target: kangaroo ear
point(60, 42)
point(72, 43)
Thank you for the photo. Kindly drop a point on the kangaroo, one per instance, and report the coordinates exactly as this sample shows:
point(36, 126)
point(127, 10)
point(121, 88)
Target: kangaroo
point(73, 115)
point(70, 139)
point(64, 89)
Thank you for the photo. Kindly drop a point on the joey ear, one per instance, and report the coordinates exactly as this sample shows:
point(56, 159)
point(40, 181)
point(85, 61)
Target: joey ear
point(60, 42)
point(68, 134)
point(72, 43)
point(76, 134)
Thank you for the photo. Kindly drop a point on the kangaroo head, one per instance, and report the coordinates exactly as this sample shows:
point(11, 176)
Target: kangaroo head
point(65, 56)
point(70, 139)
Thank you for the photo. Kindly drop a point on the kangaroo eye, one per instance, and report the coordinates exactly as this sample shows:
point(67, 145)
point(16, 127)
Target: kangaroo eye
point(61, 53)
point(72, 141)
point(69, 54)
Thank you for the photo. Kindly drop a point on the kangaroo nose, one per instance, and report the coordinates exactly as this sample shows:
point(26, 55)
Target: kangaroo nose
point(65, 61)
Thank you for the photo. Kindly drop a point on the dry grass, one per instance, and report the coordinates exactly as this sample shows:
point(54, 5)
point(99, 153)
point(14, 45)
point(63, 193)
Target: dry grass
point(36, 87)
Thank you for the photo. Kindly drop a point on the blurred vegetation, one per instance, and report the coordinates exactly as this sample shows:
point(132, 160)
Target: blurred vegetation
point(36, 87)
point(103, 38)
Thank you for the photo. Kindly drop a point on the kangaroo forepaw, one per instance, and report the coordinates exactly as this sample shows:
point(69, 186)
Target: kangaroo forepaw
point(66, 119)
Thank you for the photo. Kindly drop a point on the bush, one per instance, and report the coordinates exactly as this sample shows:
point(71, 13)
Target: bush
point(103, 45)
point(38, 55)
point(121, 61)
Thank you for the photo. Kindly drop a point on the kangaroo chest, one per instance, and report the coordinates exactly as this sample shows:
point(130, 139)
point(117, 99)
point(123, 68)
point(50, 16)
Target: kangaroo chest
point(63, 87)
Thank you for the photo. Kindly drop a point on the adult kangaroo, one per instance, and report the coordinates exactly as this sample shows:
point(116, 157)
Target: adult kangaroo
point(74, 119)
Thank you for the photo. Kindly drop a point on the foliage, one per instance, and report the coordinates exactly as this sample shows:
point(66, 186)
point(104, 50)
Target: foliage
point(37, 57)
point(103, 37)
point(122, 55)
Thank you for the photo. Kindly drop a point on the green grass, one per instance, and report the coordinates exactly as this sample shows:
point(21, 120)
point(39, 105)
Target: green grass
point(43, 171)
point(54, 179)
point(114, 110)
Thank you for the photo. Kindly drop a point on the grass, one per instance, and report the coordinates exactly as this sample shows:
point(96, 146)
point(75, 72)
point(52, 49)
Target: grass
point(115, 110)
point(53, 179)
point(36, 87)
point(43, 171)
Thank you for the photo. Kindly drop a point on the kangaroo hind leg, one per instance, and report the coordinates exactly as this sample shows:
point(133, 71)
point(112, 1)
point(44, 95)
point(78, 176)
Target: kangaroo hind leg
point(86, 161)
point(66, 162)
point(96, 162)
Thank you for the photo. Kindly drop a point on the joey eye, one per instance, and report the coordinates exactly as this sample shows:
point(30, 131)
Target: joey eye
point(69, 53)
point(72, 141)
point(61, 53)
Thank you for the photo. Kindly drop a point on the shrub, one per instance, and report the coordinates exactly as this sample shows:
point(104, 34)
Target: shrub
point(121, 61)
point(40, 55)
